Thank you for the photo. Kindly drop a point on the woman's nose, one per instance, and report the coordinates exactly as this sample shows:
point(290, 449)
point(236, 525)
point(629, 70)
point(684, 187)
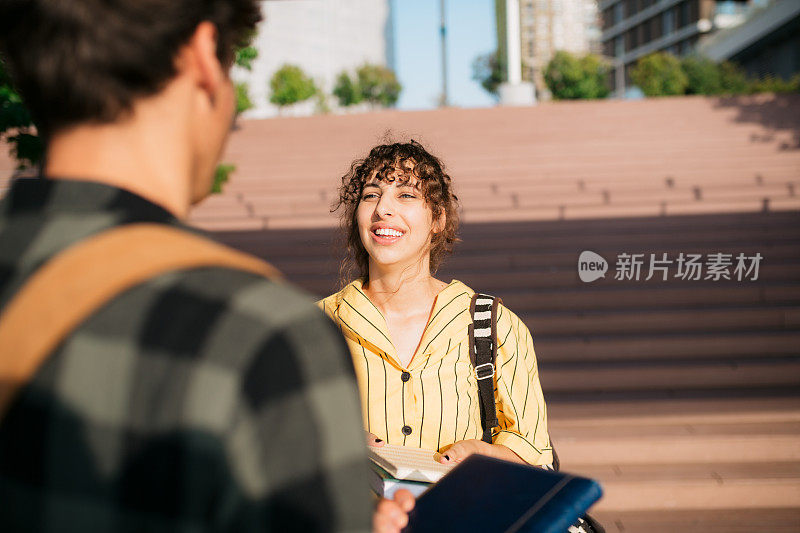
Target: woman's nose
point(384, 207)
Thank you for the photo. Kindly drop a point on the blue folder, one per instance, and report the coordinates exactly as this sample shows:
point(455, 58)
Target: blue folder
point(486, 494)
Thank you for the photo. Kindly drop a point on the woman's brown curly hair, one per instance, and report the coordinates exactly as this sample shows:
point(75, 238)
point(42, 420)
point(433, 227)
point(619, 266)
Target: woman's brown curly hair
point(387, 162)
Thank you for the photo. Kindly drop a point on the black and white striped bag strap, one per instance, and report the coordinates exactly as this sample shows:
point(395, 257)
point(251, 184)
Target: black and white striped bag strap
point(483, 339)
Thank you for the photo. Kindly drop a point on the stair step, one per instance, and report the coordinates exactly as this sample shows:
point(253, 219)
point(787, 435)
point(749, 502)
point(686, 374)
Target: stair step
point(741, 520)
point(608, 298)
point(553, 325)
point(715, 485)
point(722, 473)
point(664, 347)
point(698, 495)
point(631, 410)
point(697, 449)
point(669, 376)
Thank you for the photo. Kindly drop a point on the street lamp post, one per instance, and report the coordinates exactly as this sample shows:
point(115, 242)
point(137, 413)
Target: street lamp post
point(443, 100)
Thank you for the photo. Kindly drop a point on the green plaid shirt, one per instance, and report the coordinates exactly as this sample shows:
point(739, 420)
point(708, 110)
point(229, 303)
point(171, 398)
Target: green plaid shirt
point(201, 400)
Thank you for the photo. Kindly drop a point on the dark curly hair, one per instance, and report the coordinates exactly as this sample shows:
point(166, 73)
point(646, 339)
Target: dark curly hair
point(81, 61)
point(387, 162)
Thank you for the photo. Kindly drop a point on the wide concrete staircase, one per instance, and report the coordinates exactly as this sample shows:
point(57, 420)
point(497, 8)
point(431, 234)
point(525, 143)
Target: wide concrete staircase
point(681, 396)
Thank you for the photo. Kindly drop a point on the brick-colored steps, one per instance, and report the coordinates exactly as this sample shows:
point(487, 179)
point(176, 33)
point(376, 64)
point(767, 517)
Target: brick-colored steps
point(689, 461)
point(572, 160)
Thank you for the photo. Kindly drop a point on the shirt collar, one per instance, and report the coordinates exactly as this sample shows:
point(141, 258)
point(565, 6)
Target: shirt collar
point(66, 195)
point(363, 322)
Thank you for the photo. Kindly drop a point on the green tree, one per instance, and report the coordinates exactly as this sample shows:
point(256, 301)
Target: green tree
point(16, 126)
point(570, 77)
point(221, 175)
point(659, 74)
point(290, 85)
point(489, 70)
point(702, 74)
point(244, 58)
point(378, 85)
point(347, 90)
point(243, 101)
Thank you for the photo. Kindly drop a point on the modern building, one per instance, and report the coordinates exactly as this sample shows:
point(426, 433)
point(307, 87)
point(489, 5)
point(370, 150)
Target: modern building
point(634, 28)
point(324, 38)
point(765, 44)
point(548, 26)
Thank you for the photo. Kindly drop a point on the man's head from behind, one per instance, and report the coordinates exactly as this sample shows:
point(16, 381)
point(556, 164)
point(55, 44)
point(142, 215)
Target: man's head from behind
point(88, 61)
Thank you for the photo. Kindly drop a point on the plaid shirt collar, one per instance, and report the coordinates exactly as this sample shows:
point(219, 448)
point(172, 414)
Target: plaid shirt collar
point(65, 195)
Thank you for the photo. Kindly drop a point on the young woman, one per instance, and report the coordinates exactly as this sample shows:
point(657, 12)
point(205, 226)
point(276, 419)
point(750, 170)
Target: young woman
point(408, 331)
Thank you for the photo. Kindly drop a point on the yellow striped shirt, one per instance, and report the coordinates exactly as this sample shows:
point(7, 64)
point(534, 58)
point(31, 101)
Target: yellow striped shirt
point(434, 401)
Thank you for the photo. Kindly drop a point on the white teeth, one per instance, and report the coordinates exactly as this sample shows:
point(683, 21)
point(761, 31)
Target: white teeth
point(387, 232)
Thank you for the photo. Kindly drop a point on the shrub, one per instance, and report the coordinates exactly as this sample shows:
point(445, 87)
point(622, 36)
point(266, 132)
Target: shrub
point(347, 90)
point(703, 75)
point(245, 57)
point(570, 77)
point(489, 70)
point(659, 74)
point(16, 125)
point(772, 84)
point(221, 175)
point(290, 85)
point(378, 85)
point(243, 102)
point(732, 79)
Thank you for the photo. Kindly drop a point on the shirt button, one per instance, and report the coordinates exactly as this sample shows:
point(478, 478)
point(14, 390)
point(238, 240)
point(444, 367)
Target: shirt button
point(405, 376)
point(406, 430)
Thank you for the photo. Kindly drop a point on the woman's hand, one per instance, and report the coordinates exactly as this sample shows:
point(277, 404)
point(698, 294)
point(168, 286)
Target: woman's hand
point(392, 515)
point(457, 452)
point(373, 440)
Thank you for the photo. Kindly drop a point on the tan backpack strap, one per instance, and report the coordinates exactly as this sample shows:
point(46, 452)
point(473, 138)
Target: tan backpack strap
point(67, 289)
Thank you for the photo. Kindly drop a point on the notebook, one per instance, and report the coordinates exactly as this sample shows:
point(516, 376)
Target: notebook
point(487, 494)
point(408, 464)
point(384, 485)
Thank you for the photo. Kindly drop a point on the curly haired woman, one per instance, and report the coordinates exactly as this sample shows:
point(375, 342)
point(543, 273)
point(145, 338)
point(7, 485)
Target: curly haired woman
point(408, 332)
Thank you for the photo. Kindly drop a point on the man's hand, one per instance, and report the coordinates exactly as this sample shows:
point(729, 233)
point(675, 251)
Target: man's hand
point(373, 440)
point(457, 452)
point(392, 515)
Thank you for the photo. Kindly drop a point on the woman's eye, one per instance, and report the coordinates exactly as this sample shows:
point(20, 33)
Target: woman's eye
point(407, 195)
point(369, 196)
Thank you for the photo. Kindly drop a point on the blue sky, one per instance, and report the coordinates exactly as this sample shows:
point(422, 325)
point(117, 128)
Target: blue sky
point(470, 32)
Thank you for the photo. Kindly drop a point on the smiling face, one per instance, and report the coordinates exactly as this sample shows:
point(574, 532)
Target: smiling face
point(395, 223)
point(406, 233)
